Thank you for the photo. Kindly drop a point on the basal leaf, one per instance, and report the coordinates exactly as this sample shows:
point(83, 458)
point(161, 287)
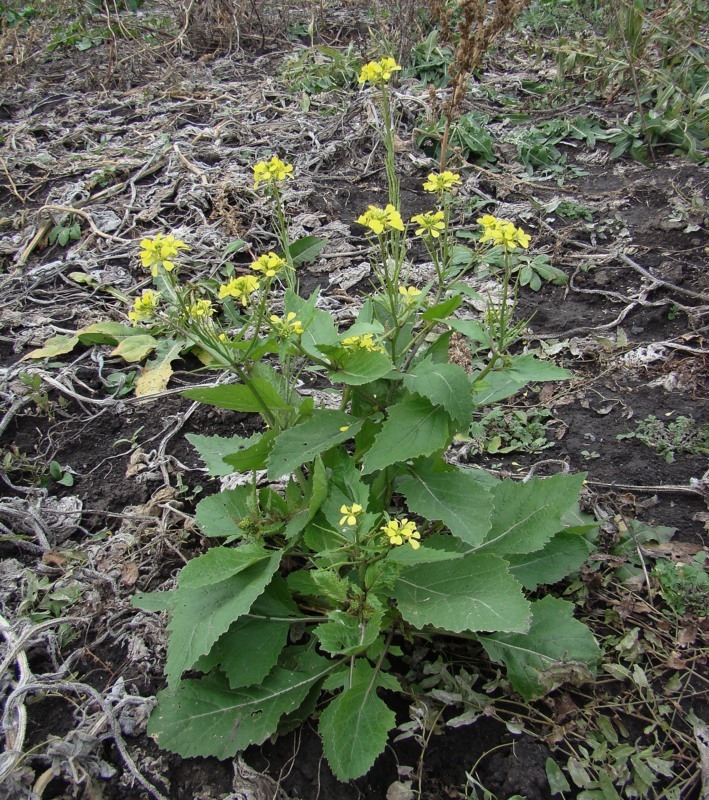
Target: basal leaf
point(207, 718)
point(211, 449)
point(240, 397)
point(528, 514)
point(325, 429)
point(413, 428)
point(446, 385)
point(452, 496)
point(200, 616)
point(158, 371)
point(56, 346)
point(135, 348)
point(556, 649)
point(355, 726)
point(220, 563)
point(561, 556)
point(474, 593)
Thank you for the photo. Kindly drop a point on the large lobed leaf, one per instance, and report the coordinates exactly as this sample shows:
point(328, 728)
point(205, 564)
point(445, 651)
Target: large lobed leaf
point(446, 385)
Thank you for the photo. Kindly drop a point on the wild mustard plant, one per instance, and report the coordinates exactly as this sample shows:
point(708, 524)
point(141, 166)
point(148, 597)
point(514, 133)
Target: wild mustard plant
point(362, 535)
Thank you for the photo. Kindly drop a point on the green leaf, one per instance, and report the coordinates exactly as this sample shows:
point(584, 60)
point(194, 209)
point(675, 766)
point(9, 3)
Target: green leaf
point(207, 718)
point(521, 370)
point(346, 635)
point(446, 385)
point(452, 496)
point(355, 726)
point(220, 514)
point(200, 616)
point(107, 333)
point(474, 593)
point(362, 367)
point(557, 780)
point(306, 250)
point(303, 442)
point(241, 397)
point(253, 453)
point(212, 449)
point(442, 310)
point(561, 556)
point(220, 563)
point(413, 428)
point(556, 649)
point(135, 348)
point(319, 326)
point(56, 346)
point(528, 514)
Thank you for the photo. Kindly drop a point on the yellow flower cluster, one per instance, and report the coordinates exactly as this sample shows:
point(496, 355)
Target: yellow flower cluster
point(379, 220)
point(364, 342)
point(200, 309)
point(503, 232)
point(144, 307)
point(287, 326)
point(159, 252)
point(272, 171)
point(410, 294)
point(378, 72)
point(240, 288)
point(350, 514)
point(440, 182)
point(402, 531)
point(430, 224)
point(269, 264)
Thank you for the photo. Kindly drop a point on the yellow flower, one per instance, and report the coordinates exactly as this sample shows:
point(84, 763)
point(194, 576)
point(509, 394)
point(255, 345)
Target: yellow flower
point(402, 531)
point(144, 307)
point(159, 252)
point(240, 288)
point(440, 182)
point(379, 220)
point(350, 514)
point(410, 294)
point(202, 308)
point(269, 264)
point(378, 72)
point(431, 224)
point(364, 342)
point(288, 326)
point(272, 171)
point(502, 232)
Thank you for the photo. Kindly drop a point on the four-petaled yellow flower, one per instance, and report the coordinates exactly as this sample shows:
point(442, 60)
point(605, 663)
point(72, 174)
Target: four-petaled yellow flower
point(402, 531)
point(503, 232)
point(272, 171)
point(240, 288)
point(159, 252)
point(144, 307)
point(440, 182)
point(364, 342)
point(350, 514)
point(379, 220)
point(269, 264)
point(410, 293)
point(202, 308)
point(378, 72)
point(430, 224)
point(287, 326)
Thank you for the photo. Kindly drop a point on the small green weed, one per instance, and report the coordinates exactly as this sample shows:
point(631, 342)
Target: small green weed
point(508, 430)
point(321, 69)
point(682, 435)
point(429, 61)
point(469, 134)
point(684, 587)
point(64, 232)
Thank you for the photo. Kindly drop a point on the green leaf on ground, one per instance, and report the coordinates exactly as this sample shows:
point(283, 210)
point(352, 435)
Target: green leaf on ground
point(474, 593)
point(323, 430)
point(208, 718)
point(452, 496)
point(446, 385)
point(556, 649)
point(413, 428)
point(56, 346)
point(200, 616)
point(528, 514)
point(158, 371)
point(135, 348)
point(355, 726)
